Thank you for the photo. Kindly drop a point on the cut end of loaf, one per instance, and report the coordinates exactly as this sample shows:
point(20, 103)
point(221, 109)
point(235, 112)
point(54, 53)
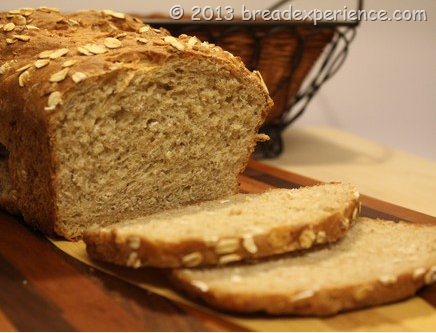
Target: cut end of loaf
point(147, 137)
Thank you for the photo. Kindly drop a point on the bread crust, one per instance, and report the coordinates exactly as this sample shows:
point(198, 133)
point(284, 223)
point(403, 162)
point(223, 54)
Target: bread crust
point(29, 90)
point(113, 246)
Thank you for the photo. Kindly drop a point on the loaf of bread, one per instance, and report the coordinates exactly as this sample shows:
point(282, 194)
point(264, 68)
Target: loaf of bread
point(244, 226)
point(377, 262)
point(104, 118)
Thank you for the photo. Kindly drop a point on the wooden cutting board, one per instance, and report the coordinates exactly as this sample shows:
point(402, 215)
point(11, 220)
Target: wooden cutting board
point(43, 288)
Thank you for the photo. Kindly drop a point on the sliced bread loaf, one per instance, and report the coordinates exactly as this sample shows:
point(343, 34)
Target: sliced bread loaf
point(105, 118)
point(224, 231)
point(377, 262)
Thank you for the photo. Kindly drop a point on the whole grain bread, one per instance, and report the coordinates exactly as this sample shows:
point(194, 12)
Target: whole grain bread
point(377, 262)
point(105, 118)
point(241, 227)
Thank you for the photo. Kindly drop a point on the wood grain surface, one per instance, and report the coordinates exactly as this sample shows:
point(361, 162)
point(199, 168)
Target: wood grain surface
point(43, 289)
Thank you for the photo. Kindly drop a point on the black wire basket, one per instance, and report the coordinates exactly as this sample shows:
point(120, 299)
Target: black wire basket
point(294, 58)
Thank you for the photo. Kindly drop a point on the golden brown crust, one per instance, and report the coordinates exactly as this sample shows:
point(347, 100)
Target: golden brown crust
point(137, 251)
point(323, 302)
point(44, 56)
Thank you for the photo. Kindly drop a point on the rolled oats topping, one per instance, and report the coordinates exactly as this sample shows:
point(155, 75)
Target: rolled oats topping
point(79, 77)
point(193, 259)
point(40, 63)
point(59, 76)
point(54, 100)
point(112, 43)
point(9, 27)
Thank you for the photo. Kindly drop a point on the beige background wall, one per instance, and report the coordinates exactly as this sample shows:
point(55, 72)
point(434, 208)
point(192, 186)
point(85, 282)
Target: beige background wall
point(386, 91)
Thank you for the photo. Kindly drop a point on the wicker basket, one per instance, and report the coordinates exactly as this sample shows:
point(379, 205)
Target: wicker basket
point(284, 53)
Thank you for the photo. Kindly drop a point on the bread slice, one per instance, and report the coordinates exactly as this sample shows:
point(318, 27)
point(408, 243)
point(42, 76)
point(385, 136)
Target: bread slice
point(105, 118)
point(377, 262)
point(219, 232)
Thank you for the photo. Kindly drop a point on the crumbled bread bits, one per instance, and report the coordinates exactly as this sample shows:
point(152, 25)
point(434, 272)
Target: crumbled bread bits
point(40, 63)
point(306, 239)
point(58, 53)
point(202, 286)
point(227, 245)
point(1, 26)
point(249, 244)
point(112, 43)
point(157, 30)
point(142, 40)
point(193, 259)
point(9, 27)
point(321, 237)
point(10, 41)
point(19, 20)
point(387, 280)
point(22, 79)
point(83, 51)
point(305, 294)
point(78, 77)
point(418, 273)
point(22, 69)
point(69, 63)
point(31, 27)
point(228, 259)
point(430, 277)
point(59, 76)
point(22, 38)
point(174, 42)
point(134, 242)
point(95, 49)
point(133, 260)
point(261, 80)
point(54, 100)
point(143, 29)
